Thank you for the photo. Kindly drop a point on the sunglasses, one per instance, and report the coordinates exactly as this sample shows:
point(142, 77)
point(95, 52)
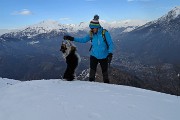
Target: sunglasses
point(93, 28)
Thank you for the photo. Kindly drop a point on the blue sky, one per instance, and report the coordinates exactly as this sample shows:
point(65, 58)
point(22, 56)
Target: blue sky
point(19, 13)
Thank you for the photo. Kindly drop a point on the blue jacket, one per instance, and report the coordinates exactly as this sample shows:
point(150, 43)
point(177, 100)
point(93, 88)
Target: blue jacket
point(99, 48)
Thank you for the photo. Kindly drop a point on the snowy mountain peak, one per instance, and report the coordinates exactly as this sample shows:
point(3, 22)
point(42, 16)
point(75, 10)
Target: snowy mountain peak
point(165, 19)
point(174, 13)
point(48, 25)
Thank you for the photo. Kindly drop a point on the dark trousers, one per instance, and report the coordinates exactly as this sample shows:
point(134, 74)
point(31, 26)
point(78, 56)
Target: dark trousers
point(104, 67)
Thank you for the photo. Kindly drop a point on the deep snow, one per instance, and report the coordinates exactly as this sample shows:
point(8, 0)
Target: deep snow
point(82, 100)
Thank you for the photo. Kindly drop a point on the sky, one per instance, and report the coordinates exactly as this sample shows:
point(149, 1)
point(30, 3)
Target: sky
point(19, 13)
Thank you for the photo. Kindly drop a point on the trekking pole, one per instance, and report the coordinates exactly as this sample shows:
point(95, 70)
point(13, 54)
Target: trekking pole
point(109, 64)
point(109, 67)
point(178, 94)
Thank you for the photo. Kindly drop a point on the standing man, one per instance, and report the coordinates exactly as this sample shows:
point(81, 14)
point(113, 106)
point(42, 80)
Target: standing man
point(101, 50)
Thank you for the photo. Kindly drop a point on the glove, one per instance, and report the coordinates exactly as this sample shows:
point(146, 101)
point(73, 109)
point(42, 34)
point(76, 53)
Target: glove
point(66, 37)
point(110, 55)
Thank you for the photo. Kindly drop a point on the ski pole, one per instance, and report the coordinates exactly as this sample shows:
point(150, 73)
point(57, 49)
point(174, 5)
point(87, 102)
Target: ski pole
point(178, 85)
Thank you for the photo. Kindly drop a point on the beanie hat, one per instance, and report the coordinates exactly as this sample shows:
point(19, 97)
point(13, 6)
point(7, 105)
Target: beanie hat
point(95, 22)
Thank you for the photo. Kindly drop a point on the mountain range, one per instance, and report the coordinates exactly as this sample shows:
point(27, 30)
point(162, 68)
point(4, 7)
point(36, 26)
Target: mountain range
point(155, 42)
point(49, 26)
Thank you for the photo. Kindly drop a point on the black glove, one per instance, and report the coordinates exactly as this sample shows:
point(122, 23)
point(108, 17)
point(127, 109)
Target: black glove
point(110, 57)
point(66, 37)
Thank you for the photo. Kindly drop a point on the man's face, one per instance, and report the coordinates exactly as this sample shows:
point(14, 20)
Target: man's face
point(94, 30)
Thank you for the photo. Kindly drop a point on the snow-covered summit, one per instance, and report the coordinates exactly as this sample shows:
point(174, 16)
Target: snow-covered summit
point(174, 13)
point(82, 100)
point(165, 19)
point(48, 25)
point(123, 23)
point(128, 24)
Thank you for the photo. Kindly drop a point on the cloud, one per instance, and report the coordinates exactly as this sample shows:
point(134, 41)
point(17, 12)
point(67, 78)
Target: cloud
point(22, 12)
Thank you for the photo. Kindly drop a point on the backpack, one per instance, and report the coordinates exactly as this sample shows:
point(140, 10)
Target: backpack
point(103, 35)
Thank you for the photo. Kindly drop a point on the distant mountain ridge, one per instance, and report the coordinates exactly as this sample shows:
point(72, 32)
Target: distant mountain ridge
point(49, 26)
point(156, 41)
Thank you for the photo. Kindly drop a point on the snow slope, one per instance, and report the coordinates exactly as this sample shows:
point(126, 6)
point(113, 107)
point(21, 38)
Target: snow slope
point(4, 82)
point(82, 100)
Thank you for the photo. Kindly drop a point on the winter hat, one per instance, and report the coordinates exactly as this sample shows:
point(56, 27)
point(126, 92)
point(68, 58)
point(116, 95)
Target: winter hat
point(95, 22)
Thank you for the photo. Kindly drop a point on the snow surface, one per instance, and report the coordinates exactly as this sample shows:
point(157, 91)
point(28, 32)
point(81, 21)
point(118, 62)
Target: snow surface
point(82, 100)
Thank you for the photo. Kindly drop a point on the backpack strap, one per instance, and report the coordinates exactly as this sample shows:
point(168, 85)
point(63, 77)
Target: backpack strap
point(104, 37)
